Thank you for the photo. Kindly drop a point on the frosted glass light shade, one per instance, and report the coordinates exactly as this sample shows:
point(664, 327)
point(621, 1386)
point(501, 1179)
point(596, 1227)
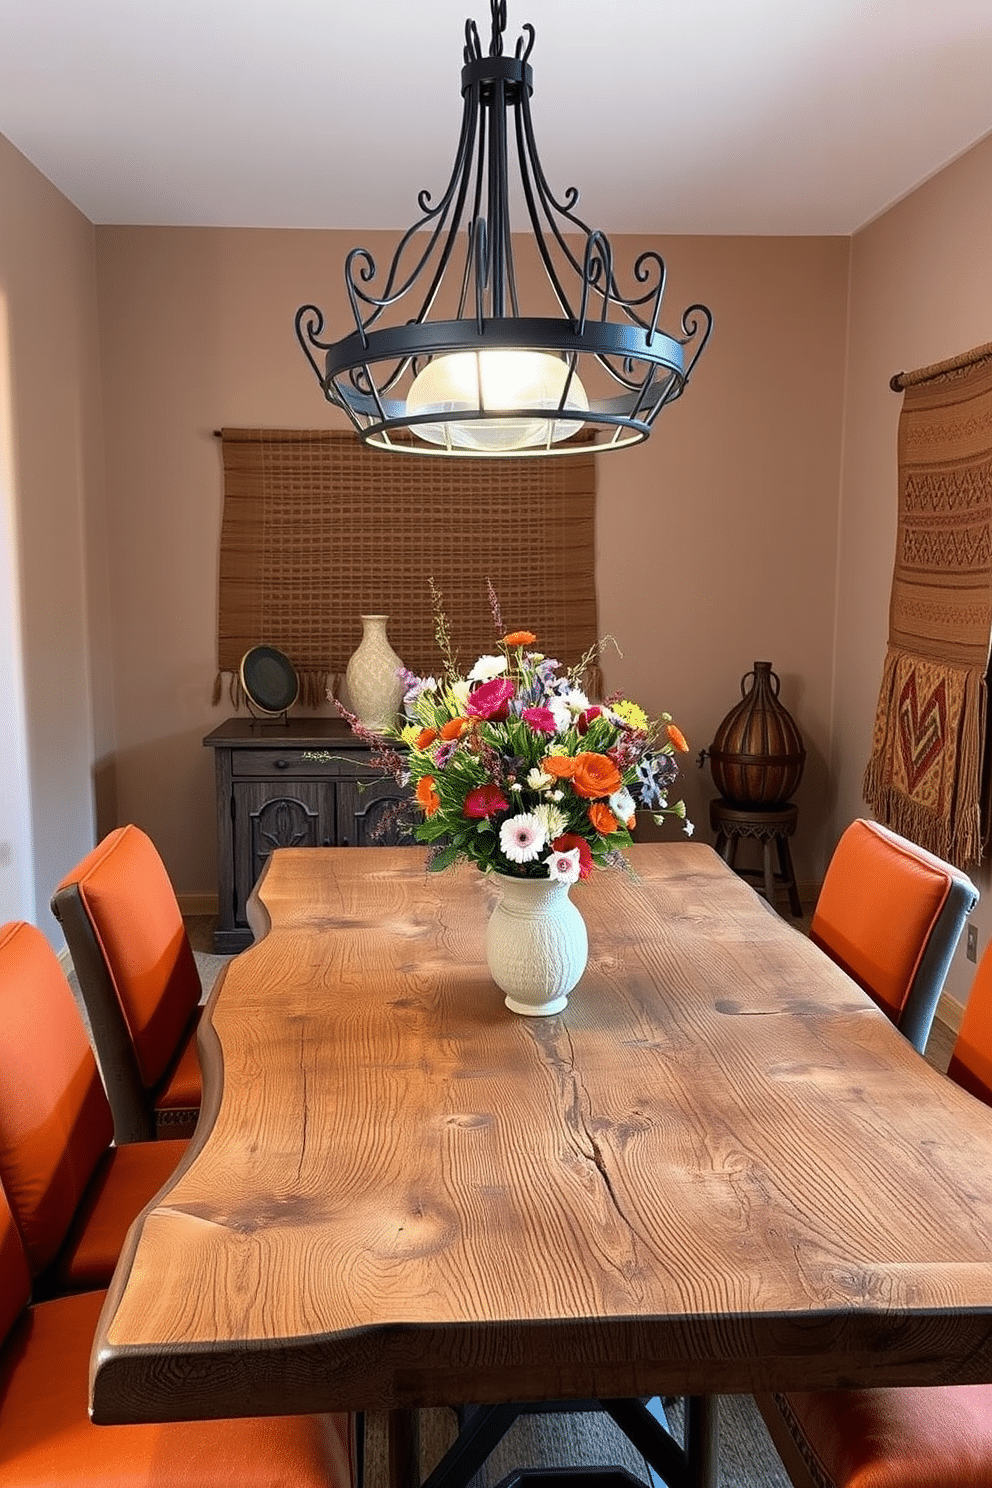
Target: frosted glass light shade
point(509, 379)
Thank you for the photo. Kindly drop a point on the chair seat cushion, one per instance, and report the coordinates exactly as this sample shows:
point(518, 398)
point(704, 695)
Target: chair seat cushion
point(47, 1439)
point(181, 1087)
point(126, 1178)
point(940, 1436)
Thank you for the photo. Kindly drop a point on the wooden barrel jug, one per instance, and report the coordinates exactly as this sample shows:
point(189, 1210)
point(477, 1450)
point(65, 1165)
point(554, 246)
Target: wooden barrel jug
point(757, 755)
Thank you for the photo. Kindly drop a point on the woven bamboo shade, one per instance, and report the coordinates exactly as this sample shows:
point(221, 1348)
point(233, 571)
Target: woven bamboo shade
point(318, 530)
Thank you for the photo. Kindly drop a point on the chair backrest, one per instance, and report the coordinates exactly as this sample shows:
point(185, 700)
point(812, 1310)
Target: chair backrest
point(891, 914)
point(135, 966)
point(971, 1059)
point(15, 1279)
point(55, 1121)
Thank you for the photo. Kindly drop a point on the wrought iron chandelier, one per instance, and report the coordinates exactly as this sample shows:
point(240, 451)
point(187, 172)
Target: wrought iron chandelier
point(489, 380)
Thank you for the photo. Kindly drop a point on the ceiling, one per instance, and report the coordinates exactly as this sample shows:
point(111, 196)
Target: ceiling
point(671, 116)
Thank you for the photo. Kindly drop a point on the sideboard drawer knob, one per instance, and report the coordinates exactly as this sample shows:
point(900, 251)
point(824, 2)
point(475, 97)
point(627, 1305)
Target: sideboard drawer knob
point(282, 764)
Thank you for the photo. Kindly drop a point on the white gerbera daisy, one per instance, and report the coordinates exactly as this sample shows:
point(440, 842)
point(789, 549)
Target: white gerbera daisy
point(522, 838)
point(622, 804)
point(486, 668)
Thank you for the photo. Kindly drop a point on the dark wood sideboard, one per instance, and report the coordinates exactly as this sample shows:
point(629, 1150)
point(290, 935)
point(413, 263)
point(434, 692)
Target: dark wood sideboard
point(305, 783)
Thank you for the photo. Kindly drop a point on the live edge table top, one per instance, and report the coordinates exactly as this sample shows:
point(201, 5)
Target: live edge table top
point(720, 1169)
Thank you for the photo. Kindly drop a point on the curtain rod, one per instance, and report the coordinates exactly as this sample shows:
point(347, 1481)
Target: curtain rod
point(903, 380)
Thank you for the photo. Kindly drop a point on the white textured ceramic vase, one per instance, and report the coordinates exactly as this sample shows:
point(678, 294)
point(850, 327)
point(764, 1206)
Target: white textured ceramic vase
point(372, 675)
point(536, 944)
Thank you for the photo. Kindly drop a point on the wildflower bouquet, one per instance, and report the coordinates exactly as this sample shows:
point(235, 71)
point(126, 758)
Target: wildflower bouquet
point(515, 769)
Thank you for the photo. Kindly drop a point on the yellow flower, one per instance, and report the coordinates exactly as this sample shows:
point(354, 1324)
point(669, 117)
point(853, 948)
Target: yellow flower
point(631, 713)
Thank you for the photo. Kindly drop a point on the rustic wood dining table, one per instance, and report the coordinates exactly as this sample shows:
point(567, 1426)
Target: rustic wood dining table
point(720, 1169)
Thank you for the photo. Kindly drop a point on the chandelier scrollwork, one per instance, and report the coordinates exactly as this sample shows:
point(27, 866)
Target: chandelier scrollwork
point(466, 372)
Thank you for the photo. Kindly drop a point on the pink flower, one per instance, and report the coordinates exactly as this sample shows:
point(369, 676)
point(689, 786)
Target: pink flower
point(484, 801)
point(491, 701)
point(541, 720)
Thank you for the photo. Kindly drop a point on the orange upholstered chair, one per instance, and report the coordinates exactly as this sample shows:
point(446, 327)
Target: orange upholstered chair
point(891, 914)
point(46, 1437)
point(971, 1061)
point(73, 1195)
point(139, 981)
point(940, 1436)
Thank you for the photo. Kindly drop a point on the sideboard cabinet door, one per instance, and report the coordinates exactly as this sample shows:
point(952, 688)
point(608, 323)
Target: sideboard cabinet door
point(305, 783)
point(367, 811)
point(266, 816)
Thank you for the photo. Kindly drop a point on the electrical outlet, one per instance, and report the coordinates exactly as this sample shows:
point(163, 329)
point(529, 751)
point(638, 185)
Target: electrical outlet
point(972, 946)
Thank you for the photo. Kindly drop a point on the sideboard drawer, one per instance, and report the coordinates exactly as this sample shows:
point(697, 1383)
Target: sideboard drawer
point(291, 764)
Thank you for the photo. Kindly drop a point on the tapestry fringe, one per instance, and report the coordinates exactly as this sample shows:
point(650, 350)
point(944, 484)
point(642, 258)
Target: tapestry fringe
point(313, 688)
point(235, 692)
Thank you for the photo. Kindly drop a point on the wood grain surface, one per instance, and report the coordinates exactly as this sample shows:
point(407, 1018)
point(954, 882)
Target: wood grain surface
point(720, 1169)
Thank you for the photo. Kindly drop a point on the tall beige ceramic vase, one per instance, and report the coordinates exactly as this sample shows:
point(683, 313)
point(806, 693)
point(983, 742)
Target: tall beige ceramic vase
point(374, 684)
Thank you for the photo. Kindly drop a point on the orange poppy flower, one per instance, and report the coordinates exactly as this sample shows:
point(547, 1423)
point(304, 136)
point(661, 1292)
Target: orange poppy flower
point(454, 728)
point(425, 738)
point(602, 818)
point(677, 737)
point(595, 775)
point(519, 638)
point(427, 796)
point(561, 766)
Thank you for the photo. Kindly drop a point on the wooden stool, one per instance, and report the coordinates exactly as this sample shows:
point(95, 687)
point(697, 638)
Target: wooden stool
point(772, 826)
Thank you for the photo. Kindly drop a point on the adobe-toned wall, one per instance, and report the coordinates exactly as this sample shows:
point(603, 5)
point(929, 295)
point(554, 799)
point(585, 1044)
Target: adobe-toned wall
point(716, 540)
point(54, 469)
point(919, 293)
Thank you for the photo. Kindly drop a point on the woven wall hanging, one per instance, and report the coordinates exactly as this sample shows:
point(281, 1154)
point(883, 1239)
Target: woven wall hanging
point(924, 778)
point(318, 530)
